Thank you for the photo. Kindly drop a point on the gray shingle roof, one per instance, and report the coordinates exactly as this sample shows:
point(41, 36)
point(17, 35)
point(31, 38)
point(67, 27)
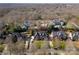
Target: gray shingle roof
point(41, 35)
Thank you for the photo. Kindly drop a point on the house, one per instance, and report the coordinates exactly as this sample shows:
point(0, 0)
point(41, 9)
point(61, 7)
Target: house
point(58, 22)
point(59, 34)
point(53, 34)
point(41, 35)
point(62, 35)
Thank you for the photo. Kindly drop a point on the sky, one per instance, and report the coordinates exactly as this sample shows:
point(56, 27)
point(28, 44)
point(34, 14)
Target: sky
point(39, 1)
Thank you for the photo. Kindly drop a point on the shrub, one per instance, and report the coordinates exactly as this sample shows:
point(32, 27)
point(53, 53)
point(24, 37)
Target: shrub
point(1, 47)
point(50, 29)
point(56, 43)
point(62, 45)
point(39, 44)
point(51, 44)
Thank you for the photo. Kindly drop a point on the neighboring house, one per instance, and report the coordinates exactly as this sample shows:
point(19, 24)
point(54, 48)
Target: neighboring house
point(57, 23)
point(25, 25)
point(75, 36)
point(44, 25)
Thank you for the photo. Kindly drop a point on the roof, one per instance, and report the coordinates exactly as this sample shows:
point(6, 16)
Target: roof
point(71, 26)
point(59, 34)
point(58, 22)
point(41, 35)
